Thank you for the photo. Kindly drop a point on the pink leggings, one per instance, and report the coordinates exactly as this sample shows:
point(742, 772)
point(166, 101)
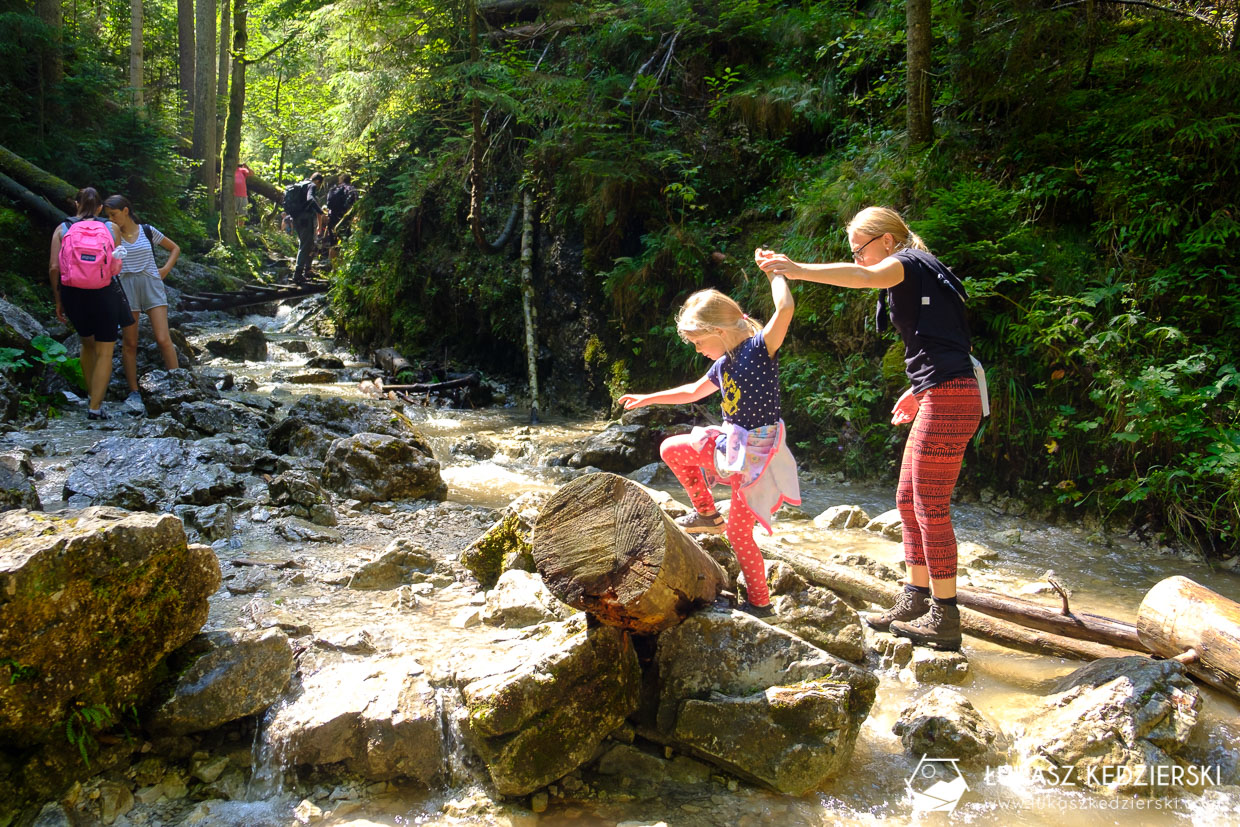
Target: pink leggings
point(687, 463)
point(947, 418)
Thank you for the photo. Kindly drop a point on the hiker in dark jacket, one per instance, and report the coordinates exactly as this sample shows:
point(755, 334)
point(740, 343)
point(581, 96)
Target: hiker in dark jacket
point(340, 200)
point(304, 207)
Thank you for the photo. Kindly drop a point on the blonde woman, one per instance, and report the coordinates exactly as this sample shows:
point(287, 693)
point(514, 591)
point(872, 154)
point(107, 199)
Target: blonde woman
point(925, 302)
point(749, 453)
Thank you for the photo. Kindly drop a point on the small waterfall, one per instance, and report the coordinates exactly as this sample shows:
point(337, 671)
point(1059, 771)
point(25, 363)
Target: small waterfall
point(456, 772)
point(270, 753)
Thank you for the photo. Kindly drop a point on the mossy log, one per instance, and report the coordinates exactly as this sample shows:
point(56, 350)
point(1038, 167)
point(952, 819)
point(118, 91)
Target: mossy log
point(266, 189)
point(1182, 619)
point(31, 202)
point(602, 545)
point(61, 193)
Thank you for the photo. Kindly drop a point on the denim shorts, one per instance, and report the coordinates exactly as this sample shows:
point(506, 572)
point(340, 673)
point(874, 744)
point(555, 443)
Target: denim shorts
point(143, 291)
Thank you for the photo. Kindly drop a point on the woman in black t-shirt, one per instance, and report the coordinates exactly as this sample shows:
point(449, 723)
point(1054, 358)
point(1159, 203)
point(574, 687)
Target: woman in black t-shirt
point(925, 302)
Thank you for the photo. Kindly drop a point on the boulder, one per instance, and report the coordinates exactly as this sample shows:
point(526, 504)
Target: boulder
point(205, 417)
point(842, 516)
point(815, 614)
point(164, 391)
point(311, 377)
point(486, 557)
point(522, 599)
point(474, 446)
point(943, 724)
point(619, 449)
point(758, 701)
point(931, 666)
point(314, 422)
point(17, 482)
point(298, 493)
point(545, 717)
point(377, 468)
point(325, 362)
point(92, 602)
point(17, 327)
point(887, 524)
point(214, 522)
point(393, 568)
point(248, 344)
point(1115, 722)
point(149, 474)
point(381, 721)
point(224, 676)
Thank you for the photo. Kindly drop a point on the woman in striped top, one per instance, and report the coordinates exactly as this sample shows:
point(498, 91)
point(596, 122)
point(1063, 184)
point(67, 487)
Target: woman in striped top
point(143, 282)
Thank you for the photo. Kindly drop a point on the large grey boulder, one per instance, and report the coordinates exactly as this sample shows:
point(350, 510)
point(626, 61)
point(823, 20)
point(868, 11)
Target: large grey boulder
point(380, 720)
point(547, 716)
point(758, 701)
point(394, 568)
point(522, 599)
point(815, 614)
point(378, 468)
point(149, 474)
point(943, 724)
point(1114, 722)
point(619, 449)
point(248, 344)
point(164, 391)
point(17, 482)
point(225, 675)
point(314, 423)
point(298, 493)
point(17, 327)
point(90, 602)
point(205, 417)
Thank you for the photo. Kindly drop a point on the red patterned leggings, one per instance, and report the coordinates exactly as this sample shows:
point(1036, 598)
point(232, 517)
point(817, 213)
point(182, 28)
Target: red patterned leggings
point(947, 417)
point(687, 463)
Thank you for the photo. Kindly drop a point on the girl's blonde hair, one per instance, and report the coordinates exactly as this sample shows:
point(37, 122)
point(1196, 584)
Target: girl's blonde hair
point(711, 312)
point(876, 221)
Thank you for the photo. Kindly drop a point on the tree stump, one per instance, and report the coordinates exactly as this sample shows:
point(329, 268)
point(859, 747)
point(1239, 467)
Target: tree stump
point(602, 545)
point(1184, 620)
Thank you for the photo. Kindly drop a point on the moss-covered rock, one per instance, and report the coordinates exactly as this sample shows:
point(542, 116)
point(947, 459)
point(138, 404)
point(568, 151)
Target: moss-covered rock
point(504, 545)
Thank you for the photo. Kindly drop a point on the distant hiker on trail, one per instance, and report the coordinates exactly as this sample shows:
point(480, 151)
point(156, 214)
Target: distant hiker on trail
point(240, 192)
point(925, 302)
point(340, 199)
point(300, 202)
point(749, 453)
point(84, 261)
point(143, 282)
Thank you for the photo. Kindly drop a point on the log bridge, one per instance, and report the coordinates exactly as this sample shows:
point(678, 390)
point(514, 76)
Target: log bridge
point(251, 294)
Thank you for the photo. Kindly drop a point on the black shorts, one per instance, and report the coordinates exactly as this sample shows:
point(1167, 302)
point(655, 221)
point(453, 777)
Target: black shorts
point(97, 313)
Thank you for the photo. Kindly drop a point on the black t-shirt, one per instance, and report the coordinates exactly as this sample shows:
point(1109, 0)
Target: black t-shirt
point(927, 308)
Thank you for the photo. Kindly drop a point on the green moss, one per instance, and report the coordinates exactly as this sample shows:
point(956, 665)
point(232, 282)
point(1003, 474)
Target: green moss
point(484, 559)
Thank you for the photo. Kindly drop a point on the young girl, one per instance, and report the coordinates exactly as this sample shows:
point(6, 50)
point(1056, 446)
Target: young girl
point(749, 452)
point(143, 281)
point(925, 301)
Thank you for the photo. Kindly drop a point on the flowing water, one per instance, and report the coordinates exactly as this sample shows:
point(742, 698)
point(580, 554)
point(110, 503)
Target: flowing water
point(1107, 575)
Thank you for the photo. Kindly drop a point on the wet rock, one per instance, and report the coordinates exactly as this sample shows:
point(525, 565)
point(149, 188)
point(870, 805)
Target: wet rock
point(164, 391)
point(1116, 721)
point(205, 417)
point(17, 327)
point(297, 530)
point(53, 814)
point(545, 717)
point(931, 666)
point(486, 557)
point(867, 565)
point(214, 522)
point(522, 599)
point(311, 377)
point(235, 454)
point(119, 591)
point(654, 473)
point(248, 344)
point(758, 701)
point(842, 516)
point(17, 481)
point(251, 579)
point(887, 524)
point(893, 651)
point(10, 399)
point(325, 362)
point(375, 467)
point(224, 676)
point(205, 484)
point(298, 346)
point(393, 568)
point(298, 493)
point(619, 449)
point(474, 446)
point(816, 615)
point(264, 615)
point(943, 724)
point(222, 379)
point(163, 427)
point(314, 423)
point(114, 801)
point(380, 721)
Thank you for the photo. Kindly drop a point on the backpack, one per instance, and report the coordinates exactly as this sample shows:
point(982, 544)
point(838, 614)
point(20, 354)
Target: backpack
point(341, 198)
point(86, 254)
point(297, 197)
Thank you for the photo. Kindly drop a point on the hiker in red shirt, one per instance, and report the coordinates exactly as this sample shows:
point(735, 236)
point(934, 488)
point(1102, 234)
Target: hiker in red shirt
point(240, 192)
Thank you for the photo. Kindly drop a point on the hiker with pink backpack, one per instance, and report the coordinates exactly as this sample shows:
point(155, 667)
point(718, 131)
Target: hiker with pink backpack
point(82, 268)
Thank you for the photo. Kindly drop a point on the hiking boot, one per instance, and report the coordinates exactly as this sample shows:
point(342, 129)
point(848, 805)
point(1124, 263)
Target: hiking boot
point(938, 628)
point(757, 611)
point(695, 523)
point(909, 605)
point(96, 416)
point(134, 404)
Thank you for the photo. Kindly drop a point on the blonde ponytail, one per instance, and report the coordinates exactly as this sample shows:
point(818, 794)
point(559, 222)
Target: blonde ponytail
point(876, 221)
point(711, 312)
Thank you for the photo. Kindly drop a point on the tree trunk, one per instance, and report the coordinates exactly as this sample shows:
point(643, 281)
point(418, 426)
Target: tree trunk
point(232, 129)
point(966, 34)
point(475, 142)
point(920, 125)
point(527, 303)
point(391, 362)
point(61, 193)
point(33, 203)
point(1091, 34)
point(221, 85)
point(204, 96)
point(602, 545)
point(51, 62)
point(1076, 625)
point(1179, 616)
point(135, 50)
point(185, 56)
point(857, 584)
point(261, 186)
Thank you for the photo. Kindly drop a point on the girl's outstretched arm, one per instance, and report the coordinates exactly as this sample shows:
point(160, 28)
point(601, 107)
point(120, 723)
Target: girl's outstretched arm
point(887, 273)
point(777, 328)
point(691, 392)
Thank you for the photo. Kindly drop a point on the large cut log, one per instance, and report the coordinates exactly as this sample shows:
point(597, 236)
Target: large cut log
point(31, 202)
point(391, 362)
point(857, 584)
point(602, 545)
point(39, 181)
point(1182, 619)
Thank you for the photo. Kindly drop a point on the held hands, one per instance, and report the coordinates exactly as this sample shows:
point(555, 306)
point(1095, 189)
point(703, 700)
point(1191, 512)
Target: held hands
point(905, 410)
point(774, 264)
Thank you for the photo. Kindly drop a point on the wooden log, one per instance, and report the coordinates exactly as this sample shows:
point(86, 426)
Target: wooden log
point(39, 181)
point(857, 584)
point(1076, 625)
point(266, 189)
point(604, 546)
point(1179, 615)
point(31, 202)
point(391, 362)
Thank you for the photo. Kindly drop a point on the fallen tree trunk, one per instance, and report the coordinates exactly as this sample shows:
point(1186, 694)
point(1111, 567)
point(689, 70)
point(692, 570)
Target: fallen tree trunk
point(266, 189)
point(61, 193)
point(604, 546)
point(856, 584)
point(1076, 625)
point(1200, 628)
point(391, 362)
point(31, 202)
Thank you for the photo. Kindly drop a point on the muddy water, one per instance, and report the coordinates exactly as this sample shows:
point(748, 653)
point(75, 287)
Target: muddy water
point(1107, 576)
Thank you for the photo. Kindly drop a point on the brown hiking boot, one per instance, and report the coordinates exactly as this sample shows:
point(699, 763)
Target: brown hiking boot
point(938, 628)
point(909, 605)
point(695, 523)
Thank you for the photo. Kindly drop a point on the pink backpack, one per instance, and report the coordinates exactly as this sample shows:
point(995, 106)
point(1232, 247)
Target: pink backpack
point(86, 254)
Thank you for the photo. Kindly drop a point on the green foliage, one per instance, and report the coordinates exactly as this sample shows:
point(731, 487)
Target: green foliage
point(53, 353)
point(82, 723)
